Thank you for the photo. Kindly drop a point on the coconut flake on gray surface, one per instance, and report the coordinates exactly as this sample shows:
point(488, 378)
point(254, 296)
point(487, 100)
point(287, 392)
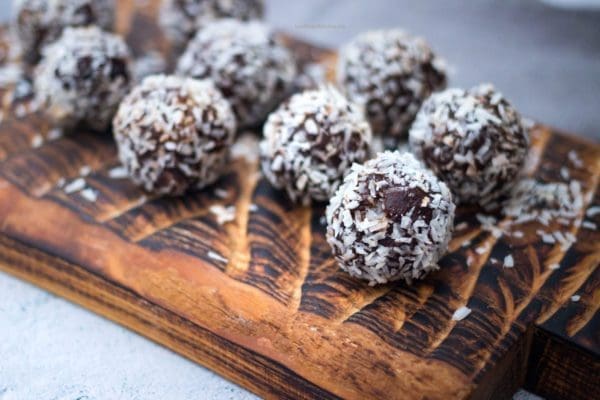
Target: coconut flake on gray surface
point(40, 22)
point(311, 141)
point(390, 219)
point(473, 140)
point(82, 77)
point(174, 133)
point(253, 70)
point(390, 73)
point(181, 19)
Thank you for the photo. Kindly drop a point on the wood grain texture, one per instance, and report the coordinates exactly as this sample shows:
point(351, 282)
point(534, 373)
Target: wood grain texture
point(279, 317)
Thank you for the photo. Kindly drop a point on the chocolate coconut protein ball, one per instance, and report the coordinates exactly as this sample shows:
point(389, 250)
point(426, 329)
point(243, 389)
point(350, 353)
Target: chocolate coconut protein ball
point(311, 141)
point(473, 140)
point(390, 219)
point(390, 73)
point(250, 67)
point(181, 19)
point(39, 22)
point(82, 77)
point(174, 134)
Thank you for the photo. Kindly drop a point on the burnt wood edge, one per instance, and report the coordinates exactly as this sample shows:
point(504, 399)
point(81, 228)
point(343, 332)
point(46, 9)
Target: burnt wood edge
point(508, 375)
point(542, 362)
point(559, 369)
point(259, 374)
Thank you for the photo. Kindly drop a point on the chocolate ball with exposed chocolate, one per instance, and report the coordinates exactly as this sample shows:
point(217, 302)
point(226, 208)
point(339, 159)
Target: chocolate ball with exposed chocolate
point(82, 77)
point(247, 63)
point(39, 22)
point(473, 140)
point(311, 141)
point(390, 219)
point(390, 73)
point(174, 134)
point(181, 19)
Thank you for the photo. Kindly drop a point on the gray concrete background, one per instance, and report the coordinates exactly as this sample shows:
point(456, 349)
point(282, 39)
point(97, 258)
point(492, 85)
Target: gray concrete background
point(547, 61)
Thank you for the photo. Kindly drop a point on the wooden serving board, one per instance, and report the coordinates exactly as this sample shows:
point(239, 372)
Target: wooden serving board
point(278, 317)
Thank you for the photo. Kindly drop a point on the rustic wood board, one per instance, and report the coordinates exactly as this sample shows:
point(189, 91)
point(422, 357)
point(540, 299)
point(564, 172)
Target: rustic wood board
point(279, 318)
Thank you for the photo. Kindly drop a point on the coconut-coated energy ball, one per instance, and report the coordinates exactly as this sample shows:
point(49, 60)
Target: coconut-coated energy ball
point(311, 141)
point(473, 140)
point(82, 77)
point(390, 73)
point(39, 22)
point(390, 219)
point(181, 19)
point(246, 62)
point(174, 134)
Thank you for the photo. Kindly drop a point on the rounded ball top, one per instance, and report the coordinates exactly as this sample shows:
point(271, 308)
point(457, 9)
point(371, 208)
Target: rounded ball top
point(83, 76)
point(250, 67)
point(390, 219)
point(181, 19)
point(390, 73)
point(174, 133)
point(39, 22)
point(311, 141)
point(474, 140)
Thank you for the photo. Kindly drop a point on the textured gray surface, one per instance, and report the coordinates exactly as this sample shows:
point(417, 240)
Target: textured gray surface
point(546, 61)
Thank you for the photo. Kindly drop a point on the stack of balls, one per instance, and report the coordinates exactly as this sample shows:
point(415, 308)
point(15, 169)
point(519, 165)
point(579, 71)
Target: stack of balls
point(181, 19)
point(82, 77)
point(390, 215)
point(40, 22)
point(247, 63)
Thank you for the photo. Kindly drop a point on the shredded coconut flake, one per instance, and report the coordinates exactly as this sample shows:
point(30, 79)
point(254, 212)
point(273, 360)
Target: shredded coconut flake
point(574, 158)
point(575, 298)
point(509, 261)
point(117, 173)
point(223, 214)
point(217, 257)
point(37, 141)
point(221, 193)
point(54, 134)
point(75, 186)
point(85, 170)
point(592, 211)
point(461, 313)
point(89, 194)
point(589, 225)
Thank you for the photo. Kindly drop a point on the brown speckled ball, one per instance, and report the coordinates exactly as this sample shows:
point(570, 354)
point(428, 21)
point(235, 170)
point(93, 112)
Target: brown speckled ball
point(474, 140)
point(82, 77)
point(174, 134)
point(39, 22)
point(390, 73)
point(311, 141)
point(390, 219)
point(181, 19)
point(248, 65)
